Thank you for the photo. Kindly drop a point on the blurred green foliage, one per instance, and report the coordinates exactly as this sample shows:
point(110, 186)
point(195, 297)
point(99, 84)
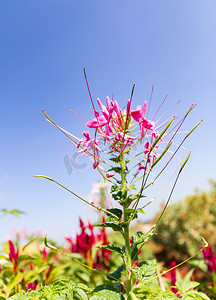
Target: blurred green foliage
point(181, 228)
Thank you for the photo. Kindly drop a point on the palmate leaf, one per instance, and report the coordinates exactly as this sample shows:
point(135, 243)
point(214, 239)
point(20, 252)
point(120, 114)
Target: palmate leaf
point(152, 291)
point(59, 290)
point(185, 284)
point(145, 270)
point(105, 295)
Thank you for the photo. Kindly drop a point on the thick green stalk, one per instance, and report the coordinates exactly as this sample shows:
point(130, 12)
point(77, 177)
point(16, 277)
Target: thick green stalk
point(126, 228)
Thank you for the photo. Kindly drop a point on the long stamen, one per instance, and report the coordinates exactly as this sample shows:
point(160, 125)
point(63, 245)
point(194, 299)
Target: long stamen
point(150, 100)
point(167, 111)
point(77, 115)
point(159, 107)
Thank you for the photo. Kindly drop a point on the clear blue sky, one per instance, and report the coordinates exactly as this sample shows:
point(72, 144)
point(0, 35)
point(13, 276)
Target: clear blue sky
point(43, 47)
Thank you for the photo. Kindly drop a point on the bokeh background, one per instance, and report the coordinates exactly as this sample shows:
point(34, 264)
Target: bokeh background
point(43, 48)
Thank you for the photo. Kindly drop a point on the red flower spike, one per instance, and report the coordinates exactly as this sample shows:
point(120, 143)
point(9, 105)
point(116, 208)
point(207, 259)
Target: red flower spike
point(13, 254)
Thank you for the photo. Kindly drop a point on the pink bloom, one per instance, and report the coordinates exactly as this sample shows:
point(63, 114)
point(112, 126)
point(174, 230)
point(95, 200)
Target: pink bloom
point(107, 112)
point(109, 174)
point(155, 134)
point(137, 114)
point(141, 167)
point(97, 122)
point(151, 154)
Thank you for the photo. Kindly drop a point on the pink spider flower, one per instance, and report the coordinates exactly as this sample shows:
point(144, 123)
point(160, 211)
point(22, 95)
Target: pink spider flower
point(140, 167)
point(151, 154)
point(117, 130)
point(139, 116)
point(100, 121)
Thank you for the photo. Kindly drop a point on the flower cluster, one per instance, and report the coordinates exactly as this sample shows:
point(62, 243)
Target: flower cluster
point(118, 130)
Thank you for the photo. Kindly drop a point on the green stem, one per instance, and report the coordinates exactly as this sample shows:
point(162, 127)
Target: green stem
point(128, 255)
point(126, 228)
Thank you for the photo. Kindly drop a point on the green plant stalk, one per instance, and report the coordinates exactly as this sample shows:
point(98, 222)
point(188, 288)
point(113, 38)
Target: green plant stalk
point(126, 228)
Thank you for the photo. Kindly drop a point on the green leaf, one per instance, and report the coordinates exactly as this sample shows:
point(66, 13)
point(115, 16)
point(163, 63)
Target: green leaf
point(116, 170)
point(113, 248)
point(104, 287)
point(197, 295)
point(115, 211)
point(132, 211)
point(185, 284)
point(145, 270)
point(117, 196)
point(114, 188)
point(80, 293)
point(115, 159)
point(105, 295)
point(114, 226)
point(199, 263)
point(132, 187)
point(117, 274)
point(13, 283)
point(23, 258)
point(194, 295)
point(140, 237)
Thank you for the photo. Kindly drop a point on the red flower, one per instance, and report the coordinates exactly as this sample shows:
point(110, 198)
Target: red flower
point(13, 254)
point(86, 240)
point(210, 259)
